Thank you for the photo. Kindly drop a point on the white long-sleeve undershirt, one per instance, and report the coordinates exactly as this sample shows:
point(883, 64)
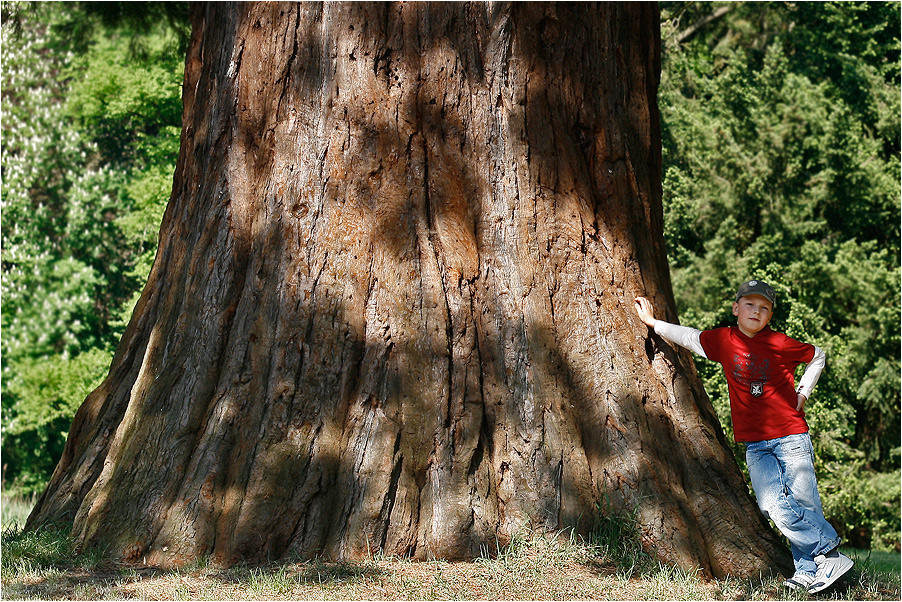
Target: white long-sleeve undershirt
point(812, 372)
point(684, 336)
point(690, 338)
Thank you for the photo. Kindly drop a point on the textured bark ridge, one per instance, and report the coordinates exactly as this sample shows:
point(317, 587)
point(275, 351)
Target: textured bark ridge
point(392, 307)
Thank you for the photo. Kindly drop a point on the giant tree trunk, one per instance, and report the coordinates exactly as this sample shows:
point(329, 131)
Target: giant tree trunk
point(392, 307)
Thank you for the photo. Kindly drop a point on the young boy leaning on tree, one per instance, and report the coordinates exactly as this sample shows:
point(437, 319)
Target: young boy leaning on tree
point(768, 416)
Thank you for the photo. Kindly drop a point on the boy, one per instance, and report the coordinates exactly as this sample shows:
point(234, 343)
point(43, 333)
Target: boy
point(767, 413)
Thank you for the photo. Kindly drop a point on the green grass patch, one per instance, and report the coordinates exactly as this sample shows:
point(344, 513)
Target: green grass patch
point(33, 552)
point(15, 508)
point(617, 539)
point(889, 563)
point(43, 552)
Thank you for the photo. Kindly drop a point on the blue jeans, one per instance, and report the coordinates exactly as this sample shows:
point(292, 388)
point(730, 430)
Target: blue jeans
point(782, 473)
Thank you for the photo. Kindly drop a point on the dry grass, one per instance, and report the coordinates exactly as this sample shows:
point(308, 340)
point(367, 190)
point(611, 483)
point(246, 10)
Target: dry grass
point(534, 567)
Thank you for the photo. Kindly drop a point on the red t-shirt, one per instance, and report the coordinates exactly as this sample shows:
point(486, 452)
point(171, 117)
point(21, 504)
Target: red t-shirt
point(760, 374)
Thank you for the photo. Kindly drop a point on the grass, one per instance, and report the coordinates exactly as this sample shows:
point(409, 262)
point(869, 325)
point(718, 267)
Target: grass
point(535, 565)
point(880, 562)
point(14, 509)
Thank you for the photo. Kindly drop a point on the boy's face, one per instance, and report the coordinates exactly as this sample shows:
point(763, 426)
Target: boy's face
point(753, 313)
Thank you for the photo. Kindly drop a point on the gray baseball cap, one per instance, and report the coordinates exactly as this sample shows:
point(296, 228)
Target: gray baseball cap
point(757, 287)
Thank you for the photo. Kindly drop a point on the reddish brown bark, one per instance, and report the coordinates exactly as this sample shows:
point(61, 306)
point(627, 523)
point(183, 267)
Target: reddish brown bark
point(392, 307)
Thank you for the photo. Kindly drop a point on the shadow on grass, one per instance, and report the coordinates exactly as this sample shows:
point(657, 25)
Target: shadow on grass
point(299, 572)
point(43, 564)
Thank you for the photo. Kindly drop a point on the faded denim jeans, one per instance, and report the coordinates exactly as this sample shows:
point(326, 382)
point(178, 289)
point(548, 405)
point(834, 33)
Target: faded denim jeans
point(782, 473)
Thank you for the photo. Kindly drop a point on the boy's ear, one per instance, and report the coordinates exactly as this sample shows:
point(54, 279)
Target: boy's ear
point(735, 309)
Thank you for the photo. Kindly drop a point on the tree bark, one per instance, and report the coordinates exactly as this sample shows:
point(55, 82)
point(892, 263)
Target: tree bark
point(392, 307)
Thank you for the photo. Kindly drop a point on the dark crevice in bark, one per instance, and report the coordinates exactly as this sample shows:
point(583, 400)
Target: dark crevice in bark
point(388, 504)
point(285, 76)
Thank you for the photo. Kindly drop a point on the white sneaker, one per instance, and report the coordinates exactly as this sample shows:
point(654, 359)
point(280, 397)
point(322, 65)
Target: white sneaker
point(829, 568)
point(799, 581)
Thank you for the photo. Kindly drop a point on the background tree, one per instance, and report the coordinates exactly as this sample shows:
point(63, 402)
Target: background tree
point(393, 302)
point(90, 137)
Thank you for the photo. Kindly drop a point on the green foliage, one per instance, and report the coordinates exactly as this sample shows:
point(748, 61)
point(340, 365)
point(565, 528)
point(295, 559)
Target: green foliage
point(862, 505)
point(125, 101)
point(781, 155)
point(90, 139)
point(48, 392)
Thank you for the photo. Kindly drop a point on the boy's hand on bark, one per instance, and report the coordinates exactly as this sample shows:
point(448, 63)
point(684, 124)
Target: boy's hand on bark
point(646, 311)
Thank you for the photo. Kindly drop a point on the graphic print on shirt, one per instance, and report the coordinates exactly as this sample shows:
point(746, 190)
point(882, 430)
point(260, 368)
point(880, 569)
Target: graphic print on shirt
point(751, 371)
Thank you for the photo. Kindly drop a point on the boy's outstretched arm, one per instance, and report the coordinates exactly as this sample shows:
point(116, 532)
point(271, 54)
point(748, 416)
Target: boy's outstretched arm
point(681, 335)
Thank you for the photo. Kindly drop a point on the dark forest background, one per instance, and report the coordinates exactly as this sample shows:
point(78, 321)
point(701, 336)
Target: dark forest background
point(781, 141)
